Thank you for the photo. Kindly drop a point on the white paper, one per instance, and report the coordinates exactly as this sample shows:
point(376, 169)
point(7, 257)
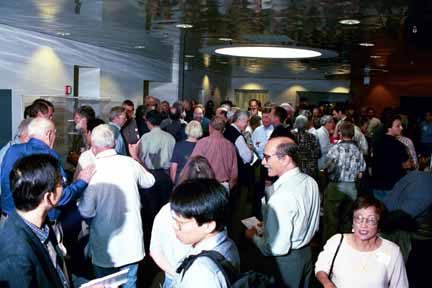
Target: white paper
point(111, 281)
point(253, 222)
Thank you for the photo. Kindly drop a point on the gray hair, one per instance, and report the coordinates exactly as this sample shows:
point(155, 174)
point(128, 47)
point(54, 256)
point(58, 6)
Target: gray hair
point(287, 106)
point(288, 149)
point(103, 136)
point(194, 129)
point(116, 111)
point(231, 112)
point(240, 115)
point(325, 119)
point(301, 122)
point(39, 127)
point(23, 128)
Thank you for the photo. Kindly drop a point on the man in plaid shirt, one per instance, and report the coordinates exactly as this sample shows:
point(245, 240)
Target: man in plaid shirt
point(344, 165)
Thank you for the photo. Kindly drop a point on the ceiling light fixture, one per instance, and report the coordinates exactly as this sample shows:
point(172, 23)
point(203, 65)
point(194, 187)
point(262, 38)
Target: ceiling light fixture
point(184, 26)
point(349, 22)
point(367, 44)
point(375, 56)
point(63, 33)
point(189, 56)
point(139, 47)
point(269, 52)
point(226, 39)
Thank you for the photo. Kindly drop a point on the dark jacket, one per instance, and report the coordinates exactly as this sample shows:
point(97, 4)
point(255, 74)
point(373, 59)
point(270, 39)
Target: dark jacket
point(24, 260)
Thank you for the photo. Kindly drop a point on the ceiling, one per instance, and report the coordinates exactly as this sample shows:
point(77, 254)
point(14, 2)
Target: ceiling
point(399, 29)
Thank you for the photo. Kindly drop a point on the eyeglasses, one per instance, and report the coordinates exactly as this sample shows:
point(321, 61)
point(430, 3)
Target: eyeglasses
point(267, 157)
point(372, 221)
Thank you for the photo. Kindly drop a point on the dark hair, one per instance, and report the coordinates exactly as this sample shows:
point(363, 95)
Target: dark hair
point(255, 121)
point(217, 123)
point(128, 102)
point(339, 108)
point(91, 124)
point(288, 149)
point(388, 121)
point(154, 117)
point(197, 167)
point(44, 101)
point(31, 177)
point(266, 110)
point(366, 201)
point(87, 112)
point(205, 200)
point(347, 129)
point(281, 113)
point(35, 108)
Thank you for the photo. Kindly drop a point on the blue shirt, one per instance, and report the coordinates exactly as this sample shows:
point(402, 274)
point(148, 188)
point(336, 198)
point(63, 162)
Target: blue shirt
point(18, 151)
point(120, 146)
point(260, 137)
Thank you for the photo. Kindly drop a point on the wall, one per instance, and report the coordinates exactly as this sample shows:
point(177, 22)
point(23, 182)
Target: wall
point(36, 64)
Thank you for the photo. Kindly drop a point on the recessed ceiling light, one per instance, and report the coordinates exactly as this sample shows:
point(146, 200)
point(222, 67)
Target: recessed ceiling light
point(189, 56)
point(225, 39)
point(139, 47)
point(367, 44)
point(375, 56)
point(63, 33)
point(268, 52)
point(349, 22)
point(184, 26)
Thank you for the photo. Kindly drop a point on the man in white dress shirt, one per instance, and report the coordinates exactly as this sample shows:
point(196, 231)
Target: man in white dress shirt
point(291, 215)
point(112, 202)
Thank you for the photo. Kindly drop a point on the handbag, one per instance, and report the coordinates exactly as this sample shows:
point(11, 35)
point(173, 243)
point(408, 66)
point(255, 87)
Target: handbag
point(334, 257)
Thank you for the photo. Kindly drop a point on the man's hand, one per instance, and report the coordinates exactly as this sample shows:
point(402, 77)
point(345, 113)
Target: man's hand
point(249, 233)
point(87, 173)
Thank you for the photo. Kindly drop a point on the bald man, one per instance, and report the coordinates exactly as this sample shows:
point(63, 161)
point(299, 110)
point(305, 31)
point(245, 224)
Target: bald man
point(291, 215)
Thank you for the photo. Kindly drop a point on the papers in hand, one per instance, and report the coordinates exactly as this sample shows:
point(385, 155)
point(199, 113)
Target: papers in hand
point(253, 222)
point(111, 281)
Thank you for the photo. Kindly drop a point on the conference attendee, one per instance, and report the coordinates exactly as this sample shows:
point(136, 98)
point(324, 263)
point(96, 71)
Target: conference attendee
point(373, 122)
point(290, 216)
point(187, 110)
point(220, 153)
point(279, 116)
point(222, 112)
point(112, 204)
point(198, 115)
point(183, 149)
point(30, 254)
point(309, 147)
point(389, 158)
point(361, 258)
point(165, 249)
point(426, 135)
point(199, 212)
point(130, 129)
point(165, 109)
point(42, 134)
point(344, 166)
point(254, 108)
point(209, 109)
point(21, 136)
point(117, 119)
point(39, 108)
point(261, 134)
point(323, 135)
point(80, 144)
point(174, 124)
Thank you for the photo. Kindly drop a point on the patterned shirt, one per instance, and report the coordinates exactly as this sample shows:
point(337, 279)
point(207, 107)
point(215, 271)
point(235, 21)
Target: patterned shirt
point(309, 152)
point(344, 162)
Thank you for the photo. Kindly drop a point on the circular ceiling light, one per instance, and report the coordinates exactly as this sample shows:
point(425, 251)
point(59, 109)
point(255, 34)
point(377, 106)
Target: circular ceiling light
point(367, 44)
point(184, 26)
point(268, 52)
point(349, 22)
point(226, 39)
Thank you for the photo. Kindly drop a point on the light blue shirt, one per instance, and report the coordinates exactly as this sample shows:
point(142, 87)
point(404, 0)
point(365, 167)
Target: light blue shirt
point(204, 272)
point(291, 215)
point(260, 138)
point(324, 140)
point(120, 146)
point(3, 153)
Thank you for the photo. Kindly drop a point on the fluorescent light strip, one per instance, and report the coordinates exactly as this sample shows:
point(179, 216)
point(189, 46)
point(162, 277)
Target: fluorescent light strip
point(268, 52)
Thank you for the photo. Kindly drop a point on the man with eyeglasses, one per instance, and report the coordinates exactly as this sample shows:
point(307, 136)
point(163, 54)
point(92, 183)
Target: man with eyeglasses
point(291, 216)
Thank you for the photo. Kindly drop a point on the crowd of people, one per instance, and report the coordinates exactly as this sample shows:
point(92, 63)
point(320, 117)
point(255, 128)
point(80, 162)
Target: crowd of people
point(172, 183)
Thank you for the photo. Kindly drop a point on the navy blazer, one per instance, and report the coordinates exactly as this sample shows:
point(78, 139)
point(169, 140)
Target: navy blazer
point(24, 260)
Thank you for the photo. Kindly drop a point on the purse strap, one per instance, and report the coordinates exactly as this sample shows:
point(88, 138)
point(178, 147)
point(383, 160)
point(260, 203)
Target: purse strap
point(334, 257)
